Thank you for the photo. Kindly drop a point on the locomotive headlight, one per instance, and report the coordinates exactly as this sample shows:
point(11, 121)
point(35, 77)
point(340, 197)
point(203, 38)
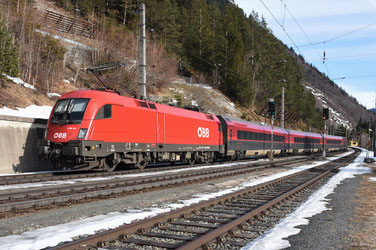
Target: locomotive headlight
point(82, 133)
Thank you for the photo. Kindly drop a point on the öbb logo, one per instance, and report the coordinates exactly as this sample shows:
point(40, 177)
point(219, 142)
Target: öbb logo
point(60, 135)
point(203, 132)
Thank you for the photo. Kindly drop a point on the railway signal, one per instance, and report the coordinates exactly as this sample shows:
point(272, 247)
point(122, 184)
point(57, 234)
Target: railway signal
point(325, 113)
point(272, 107)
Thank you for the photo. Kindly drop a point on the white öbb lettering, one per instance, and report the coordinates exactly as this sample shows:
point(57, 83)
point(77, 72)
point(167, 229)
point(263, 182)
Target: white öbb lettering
point(203, 132)
point(60, 135)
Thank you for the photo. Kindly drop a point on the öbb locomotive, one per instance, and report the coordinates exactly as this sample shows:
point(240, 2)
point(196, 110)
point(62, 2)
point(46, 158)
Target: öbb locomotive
point(91, 128)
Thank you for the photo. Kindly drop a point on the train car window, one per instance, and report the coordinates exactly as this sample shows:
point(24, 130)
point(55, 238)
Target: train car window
point(142, 104)
point(333, 142)
point(104, 112)
point(230, 134)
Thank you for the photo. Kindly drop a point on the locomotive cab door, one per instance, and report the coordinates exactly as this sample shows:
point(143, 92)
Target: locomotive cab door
point(160, 130)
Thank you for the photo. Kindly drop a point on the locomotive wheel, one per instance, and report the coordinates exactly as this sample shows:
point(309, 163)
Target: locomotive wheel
point(141, 162)
point(107, 164)
point(57, 164)
point(190, 161)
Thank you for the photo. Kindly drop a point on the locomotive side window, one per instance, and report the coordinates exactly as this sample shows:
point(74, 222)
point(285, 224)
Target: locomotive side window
point(152, 106)
point(142, 104)
point(104, 112)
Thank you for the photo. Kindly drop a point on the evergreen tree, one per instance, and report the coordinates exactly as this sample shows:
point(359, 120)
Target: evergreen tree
point(198, 45)
point(9, 52)
point(162, 20)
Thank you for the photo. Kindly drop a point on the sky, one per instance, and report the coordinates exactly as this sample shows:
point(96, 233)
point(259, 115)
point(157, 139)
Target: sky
point(344, 29)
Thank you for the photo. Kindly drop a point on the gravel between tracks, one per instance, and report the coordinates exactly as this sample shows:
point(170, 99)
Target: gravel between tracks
point(29, 222)
point(345, 226)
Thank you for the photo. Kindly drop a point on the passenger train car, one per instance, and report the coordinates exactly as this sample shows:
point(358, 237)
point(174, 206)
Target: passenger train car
point(91, 128)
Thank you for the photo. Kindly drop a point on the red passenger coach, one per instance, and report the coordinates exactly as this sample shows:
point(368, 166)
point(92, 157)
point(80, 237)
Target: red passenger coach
point(244, 138)
point(102, 128)
point(333, 143)
point(304, 142)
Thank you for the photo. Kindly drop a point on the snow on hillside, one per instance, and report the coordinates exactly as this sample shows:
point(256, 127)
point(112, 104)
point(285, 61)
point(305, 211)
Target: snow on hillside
point(334, 115)
point(199, 94)
point(20, 82)
point(32, 111)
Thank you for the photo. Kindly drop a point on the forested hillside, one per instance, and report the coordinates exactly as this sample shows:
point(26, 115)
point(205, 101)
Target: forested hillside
point(211, 41)
point(215, 42)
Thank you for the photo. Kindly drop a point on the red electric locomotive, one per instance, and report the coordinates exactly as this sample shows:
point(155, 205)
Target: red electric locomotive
point(102, 128)
point(90, 128)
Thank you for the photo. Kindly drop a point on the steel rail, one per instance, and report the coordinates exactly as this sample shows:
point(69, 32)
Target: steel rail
point(125, 231)
point(77, 174)
point(12, 201)
point(212, 235)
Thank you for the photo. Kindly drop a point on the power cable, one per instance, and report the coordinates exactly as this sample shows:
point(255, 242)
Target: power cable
point(282, 28)
point(340, 57)
point(339, 36)
point(306, 36)
point(348, 77)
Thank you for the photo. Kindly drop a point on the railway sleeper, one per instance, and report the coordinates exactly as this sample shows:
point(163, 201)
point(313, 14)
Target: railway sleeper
point(193, 224)
point(151, 243)
point(248, 236)
point(168, 236)
point(183, 229)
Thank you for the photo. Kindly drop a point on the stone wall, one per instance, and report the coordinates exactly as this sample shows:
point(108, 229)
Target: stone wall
point(19, 144)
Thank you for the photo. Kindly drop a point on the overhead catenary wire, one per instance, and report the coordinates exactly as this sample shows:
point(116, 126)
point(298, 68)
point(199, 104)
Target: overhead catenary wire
point(341, 57)
point(280, 25)
point(336, 37)
point(348, 77)
point(306, 36)
point(288, 35)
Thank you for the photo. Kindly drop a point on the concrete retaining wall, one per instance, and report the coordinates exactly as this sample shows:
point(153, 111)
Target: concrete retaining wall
point(19, 144)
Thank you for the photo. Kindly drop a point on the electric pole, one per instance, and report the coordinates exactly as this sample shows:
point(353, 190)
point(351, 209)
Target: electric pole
point(283, 108)
point(272, 114)
point(142, 55)
point(374, 131)
point(325, 117)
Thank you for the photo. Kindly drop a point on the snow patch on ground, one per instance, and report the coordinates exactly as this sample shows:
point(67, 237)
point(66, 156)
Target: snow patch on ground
point(32, 111)
point(317, 203)
point(19, 82)
point(53, 95)
point(51, 236)
point(372, 179)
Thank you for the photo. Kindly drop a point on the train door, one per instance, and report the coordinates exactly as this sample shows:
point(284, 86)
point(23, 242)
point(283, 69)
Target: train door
point(160, 130)
point(289, 143)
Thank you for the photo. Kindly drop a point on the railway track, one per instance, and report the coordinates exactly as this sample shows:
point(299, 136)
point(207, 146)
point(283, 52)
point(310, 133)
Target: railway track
point(12, 201)
point(74, 174)
point(227, 222)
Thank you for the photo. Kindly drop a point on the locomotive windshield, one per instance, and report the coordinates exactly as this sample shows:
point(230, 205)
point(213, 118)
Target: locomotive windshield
point(69, 111)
